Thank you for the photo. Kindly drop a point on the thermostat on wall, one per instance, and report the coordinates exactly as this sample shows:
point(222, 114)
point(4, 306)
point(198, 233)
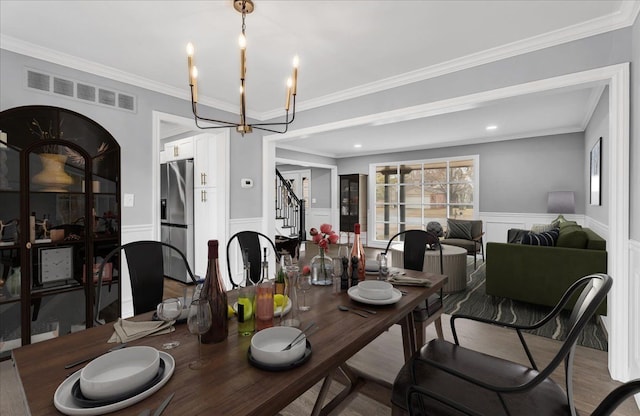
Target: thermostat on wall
point(246, 183)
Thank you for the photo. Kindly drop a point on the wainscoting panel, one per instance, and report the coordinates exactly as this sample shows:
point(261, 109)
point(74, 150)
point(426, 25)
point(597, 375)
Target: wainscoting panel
point(131, 233)
point(634, 311)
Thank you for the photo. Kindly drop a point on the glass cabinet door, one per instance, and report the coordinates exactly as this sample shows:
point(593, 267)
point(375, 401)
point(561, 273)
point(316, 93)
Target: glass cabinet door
point(10, 272)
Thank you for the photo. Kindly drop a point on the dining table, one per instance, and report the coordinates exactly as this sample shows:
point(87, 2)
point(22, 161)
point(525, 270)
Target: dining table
point(229, 384)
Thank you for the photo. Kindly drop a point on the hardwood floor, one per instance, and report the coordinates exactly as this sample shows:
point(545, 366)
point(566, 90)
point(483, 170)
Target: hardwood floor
point(383, 358)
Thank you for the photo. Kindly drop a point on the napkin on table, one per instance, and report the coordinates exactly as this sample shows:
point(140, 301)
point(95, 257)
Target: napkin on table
point(126, 331)
point(408, 281)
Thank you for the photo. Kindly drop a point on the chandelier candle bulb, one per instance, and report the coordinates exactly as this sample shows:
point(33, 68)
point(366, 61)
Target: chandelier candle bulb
point(286, 106)
point(296, 62)
point(194, 75)
point(190, 51)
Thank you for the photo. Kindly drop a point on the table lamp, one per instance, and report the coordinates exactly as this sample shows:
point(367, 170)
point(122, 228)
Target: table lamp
point(561, 202)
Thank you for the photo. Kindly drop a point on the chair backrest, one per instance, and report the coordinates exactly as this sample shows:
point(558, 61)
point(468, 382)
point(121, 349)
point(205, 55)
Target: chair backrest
point(593, 291)
point(146, 272)
point(616, 397)
point(251, 250)
point(415, 244)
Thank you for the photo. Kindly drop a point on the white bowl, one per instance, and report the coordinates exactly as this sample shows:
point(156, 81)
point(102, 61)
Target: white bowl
point(118, 372)
point(375, 289)
point(267, 345)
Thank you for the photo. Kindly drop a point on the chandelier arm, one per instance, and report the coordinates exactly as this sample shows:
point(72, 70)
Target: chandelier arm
point(286, 127)
point(286, 122)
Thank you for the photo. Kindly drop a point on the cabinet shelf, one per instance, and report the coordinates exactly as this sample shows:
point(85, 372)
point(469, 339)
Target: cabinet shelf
point(39, 292)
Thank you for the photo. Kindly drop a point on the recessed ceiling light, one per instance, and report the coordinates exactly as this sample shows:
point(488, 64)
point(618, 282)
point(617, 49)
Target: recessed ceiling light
point(491, 127)
point(357, 146)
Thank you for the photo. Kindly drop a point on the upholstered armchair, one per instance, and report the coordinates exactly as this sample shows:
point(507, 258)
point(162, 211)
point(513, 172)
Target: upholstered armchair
point(466, 234)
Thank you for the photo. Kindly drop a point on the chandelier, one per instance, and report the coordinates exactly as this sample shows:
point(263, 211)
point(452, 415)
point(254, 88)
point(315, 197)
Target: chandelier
point(244, 7)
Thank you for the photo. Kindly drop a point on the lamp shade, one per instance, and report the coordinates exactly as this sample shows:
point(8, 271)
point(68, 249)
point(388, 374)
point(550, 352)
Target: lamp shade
point(561, 202)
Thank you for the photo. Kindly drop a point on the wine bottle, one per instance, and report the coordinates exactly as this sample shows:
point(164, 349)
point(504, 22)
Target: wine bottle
point(357, 253)
point(213, 291)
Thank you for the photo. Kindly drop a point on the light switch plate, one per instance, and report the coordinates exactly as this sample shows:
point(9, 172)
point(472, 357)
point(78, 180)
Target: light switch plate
point(128, 200)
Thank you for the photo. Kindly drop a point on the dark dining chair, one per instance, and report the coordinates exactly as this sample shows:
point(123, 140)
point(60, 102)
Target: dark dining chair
point(250, 244)
point(444, 378)
point(415, 244)
point(146, 271)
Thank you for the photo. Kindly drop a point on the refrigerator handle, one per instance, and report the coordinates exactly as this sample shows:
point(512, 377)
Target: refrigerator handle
point(163, 209)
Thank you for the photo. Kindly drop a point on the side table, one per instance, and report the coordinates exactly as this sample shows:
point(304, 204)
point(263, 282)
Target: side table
point(454, 263)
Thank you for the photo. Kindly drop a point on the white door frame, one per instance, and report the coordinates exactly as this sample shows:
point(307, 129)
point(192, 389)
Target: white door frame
point(621, 361)
point(223, 150)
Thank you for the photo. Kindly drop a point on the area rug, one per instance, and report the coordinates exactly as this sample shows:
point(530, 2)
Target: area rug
point(474, 301)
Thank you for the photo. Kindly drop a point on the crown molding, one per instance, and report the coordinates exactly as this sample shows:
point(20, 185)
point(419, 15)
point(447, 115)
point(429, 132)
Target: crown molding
point(621, 18)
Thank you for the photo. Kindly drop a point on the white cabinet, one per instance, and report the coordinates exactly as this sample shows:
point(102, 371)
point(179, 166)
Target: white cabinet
point(176, 150)
point(204, 161)
point(206, 225)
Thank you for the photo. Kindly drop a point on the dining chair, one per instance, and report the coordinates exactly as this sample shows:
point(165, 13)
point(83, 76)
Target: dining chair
point(146, 271)
point(249, 243)
point(415, 244)
point(444, 378)
point(466, 234)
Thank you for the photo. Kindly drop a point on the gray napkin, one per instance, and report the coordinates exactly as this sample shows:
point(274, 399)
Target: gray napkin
point(126, 331)
point(408, 281)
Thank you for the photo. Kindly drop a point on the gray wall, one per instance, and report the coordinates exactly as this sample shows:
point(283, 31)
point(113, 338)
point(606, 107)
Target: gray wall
point(515, 175)
point(133, 131)
point(598, 127)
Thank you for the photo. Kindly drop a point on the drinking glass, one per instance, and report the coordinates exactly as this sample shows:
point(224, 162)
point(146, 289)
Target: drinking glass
point(337, 274)
point(343, 251)
point(169, 310)
point(199, 322)
point(286, 260)
point(304, 284)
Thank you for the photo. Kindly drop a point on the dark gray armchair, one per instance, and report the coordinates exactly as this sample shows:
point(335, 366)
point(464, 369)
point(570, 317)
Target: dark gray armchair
point(466, 234)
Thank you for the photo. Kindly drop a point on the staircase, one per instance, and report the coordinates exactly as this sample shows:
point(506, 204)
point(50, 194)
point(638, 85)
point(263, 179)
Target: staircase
point(290, 211)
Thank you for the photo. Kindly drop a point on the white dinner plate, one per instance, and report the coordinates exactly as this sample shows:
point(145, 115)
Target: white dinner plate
point(64, 402)
point(276, 311)
point(354, 294)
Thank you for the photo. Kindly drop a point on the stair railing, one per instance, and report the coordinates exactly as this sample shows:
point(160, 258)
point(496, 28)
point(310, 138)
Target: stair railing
point(290, 208)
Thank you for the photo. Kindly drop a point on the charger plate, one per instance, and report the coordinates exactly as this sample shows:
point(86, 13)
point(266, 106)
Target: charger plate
point(65, 402)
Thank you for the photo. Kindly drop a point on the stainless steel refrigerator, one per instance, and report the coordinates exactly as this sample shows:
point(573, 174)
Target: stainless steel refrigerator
point(176, 214)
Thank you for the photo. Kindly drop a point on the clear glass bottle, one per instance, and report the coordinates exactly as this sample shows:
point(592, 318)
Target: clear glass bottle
point(264, 298)
point(246, 304)
point(292, 318)
point(357, 256)
point(214, 292)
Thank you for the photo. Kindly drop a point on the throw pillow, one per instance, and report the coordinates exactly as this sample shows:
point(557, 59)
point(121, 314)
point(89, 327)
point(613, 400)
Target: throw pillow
point(574, 238)
point(459, 229)
point(541, 228)
point(548, 238)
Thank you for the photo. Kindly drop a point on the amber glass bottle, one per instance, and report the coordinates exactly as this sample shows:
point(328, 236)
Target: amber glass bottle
point(213, 290)
point(357, 253)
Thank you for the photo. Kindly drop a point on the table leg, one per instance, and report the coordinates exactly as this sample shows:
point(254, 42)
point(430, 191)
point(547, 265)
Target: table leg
point(408, 336)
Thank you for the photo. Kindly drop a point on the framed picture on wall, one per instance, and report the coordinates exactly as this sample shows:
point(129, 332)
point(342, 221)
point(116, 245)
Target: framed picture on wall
point(594, 172)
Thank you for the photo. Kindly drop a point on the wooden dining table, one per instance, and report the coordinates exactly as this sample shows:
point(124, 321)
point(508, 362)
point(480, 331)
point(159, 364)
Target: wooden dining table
point(229, 385)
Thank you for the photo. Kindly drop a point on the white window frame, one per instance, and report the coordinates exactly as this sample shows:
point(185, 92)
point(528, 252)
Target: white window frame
point(371, 220)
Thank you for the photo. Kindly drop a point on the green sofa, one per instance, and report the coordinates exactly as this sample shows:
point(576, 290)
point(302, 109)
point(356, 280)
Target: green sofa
point(539, 274)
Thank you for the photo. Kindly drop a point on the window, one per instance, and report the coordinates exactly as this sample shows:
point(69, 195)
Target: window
point(409, 195)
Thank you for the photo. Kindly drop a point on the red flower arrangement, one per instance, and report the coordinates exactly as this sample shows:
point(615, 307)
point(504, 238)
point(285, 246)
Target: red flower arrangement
point(325, 236)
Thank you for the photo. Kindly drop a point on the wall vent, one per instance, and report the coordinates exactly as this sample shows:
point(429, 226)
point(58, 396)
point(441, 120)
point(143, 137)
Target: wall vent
point(86, 92)
point(53, 84)
point(38, 81)
point(63, 86)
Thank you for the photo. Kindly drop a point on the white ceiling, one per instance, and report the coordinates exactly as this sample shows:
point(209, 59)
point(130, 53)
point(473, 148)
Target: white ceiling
point(346, 49)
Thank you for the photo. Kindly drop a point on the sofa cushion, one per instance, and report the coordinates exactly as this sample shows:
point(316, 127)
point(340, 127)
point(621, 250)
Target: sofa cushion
point(571, 237)
point(459, 229)
point(548, 238)
point(568, 224)
point(542, 228)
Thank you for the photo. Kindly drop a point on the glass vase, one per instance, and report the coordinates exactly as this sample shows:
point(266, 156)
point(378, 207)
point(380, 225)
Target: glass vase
point(291, 318)
point(321, 269)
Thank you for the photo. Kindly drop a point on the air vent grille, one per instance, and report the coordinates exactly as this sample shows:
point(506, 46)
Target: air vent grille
point(86, 92)
point(63, 86)
point(38, 81)
point(126, 102)
point(41, 81)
